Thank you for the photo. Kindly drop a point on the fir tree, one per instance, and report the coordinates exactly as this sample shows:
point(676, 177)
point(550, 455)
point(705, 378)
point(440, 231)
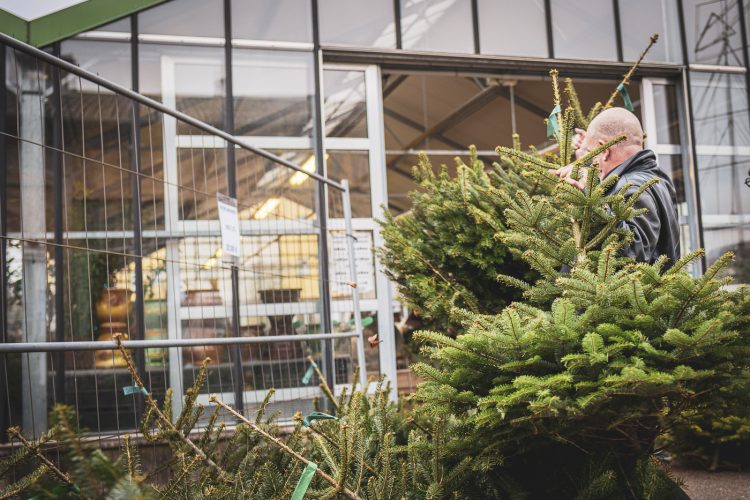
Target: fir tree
point(565, 393)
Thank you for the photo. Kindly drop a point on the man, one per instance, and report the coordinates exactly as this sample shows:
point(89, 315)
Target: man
point(657, 232)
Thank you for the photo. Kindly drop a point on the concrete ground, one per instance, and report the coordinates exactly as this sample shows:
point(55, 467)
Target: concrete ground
point(704, 485)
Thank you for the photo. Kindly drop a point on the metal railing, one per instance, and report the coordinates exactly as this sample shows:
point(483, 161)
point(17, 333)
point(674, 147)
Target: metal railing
point(109, 224)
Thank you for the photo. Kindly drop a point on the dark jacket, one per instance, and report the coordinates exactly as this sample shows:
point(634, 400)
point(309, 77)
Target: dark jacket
point(657, 232)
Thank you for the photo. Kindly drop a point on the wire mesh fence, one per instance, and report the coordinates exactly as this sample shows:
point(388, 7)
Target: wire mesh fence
point(110, 225)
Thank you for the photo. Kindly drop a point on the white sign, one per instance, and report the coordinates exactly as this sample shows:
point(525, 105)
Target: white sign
point(230, 228)
point(363, 255)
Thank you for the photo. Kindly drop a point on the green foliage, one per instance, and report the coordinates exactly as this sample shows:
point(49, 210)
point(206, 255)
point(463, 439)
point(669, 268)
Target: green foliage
point(600, 359)
point(717, 434)
point(443, 252)
point(369, 451)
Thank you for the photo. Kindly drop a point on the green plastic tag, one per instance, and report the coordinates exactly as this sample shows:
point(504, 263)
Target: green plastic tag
point(623, 90)
point(365, 321)
point(553, 128)
point(132, 389)
point(304, 481)
point(309, 373)
point(317, 415)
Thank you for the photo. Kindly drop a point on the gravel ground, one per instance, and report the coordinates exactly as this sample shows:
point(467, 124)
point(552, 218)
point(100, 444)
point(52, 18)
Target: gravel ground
point(703, 485)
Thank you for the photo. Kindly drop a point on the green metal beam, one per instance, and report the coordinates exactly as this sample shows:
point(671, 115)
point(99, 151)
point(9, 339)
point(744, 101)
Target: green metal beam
point(14, 26)
point(70, 21)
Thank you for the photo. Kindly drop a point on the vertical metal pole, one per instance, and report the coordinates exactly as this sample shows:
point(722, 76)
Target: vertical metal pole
point(56, 108)
point(239, 386)
point(475, 25)
point(548, 24)
point(326, 323)
point(693, 156)
point(353, 276)
point(618, 29)
point(745, 55)
point(397, 22)
point(4, 410)
point(32, 176)
point(135, 180)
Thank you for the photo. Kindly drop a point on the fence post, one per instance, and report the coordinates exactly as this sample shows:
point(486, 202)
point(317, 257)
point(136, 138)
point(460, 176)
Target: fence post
point(350, 239)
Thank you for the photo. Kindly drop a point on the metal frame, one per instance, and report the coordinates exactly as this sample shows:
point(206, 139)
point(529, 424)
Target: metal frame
point(177, 312)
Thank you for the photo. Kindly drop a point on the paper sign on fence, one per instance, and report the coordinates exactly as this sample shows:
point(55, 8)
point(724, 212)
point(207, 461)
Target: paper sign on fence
point(230, 228)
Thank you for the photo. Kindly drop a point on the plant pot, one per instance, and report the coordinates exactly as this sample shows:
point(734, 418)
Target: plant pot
point(114, 305)
point(111, 358)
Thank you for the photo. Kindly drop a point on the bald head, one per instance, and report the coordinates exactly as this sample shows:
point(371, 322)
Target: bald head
point(614, 122)
point(607, 125)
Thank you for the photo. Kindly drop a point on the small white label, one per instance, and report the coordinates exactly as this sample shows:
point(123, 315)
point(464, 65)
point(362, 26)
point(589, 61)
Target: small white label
point(363, 256)
point(230, 228)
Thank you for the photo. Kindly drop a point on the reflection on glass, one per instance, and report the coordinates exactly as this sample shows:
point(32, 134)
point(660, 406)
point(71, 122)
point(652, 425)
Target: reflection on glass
point(273, 20)
point(667, 117)
point(110, 60)
point(357, 22)
point(672, 166)
point(184, 17)
point(355, 167)
point(725, 204)
point(202, 172)
point(640, 19)
point(345, 103)
point(273, 93)
point(720, 113)
point(584, 29)
point(712, 32)
point(274, 193)
point(197, 80)
point(525, 36)
point(443, 25)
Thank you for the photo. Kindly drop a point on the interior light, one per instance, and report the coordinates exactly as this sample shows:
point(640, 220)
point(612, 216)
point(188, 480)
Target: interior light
point(266, 208)
point(309, 167)
point(300, 177)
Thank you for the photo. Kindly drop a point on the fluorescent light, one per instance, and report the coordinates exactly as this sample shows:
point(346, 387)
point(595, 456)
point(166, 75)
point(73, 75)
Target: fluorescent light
point(300, 177)
point(309, 167)
point(266, 208)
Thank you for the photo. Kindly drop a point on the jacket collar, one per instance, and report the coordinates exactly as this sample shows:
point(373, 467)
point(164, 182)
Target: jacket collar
point(642, 160)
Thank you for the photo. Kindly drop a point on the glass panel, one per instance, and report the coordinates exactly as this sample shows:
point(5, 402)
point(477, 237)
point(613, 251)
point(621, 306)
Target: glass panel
point(667, 116)
point(280, 20)
point(202, 172)
point(726, 210)
point(672, 166)
point(120, 26)
point(355, 167)
point(584, 29)
point(345, 103)
point(720, 112)
point(271, 192)
point(110, 60)
point(273, 93)
point(184, 17)
point(525, 36)
point(197, 76)
point(712, 32)
point(443, 25)
point(357, 22)
point(639, 19)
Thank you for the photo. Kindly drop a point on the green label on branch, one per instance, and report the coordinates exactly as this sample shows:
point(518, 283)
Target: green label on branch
point(553, 128)
point(132, 389)
point(304, 481)
point(317, 415)
point(309, 373)
point(623, 90)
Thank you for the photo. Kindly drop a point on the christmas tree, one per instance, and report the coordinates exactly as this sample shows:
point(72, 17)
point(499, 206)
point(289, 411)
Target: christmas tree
point(564, 394)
